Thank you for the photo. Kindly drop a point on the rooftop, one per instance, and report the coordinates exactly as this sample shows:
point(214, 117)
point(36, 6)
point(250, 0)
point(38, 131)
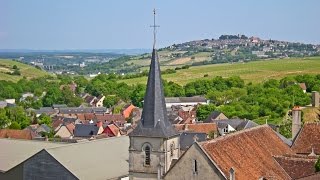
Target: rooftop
point(249, 152)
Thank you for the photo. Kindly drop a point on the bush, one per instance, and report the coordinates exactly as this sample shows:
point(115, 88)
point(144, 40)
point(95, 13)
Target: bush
point(15, 67)
point(16, 72)
point(206, 75)
point(317, 165)
point(14, 125)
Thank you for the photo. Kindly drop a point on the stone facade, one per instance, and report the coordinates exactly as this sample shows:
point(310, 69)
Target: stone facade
point(194, 165)
point(163, 151)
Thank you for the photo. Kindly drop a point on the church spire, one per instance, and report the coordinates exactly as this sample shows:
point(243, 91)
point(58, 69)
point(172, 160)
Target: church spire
point(154, 29)
point(154, 120)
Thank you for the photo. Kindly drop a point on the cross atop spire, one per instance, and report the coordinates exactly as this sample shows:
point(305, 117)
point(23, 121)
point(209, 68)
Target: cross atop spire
point(154, 26)
point(154, 120)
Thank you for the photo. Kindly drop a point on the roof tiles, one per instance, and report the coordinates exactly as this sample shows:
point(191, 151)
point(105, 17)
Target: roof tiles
point(249, 152)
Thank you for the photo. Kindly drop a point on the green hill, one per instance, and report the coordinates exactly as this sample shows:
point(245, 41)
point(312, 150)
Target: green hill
point(256, 71)
point(7, 67)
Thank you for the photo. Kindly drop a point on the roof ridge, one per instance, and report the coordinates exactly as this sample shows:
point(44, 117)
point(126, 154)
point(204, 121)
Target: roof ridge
point(84, 142)
point(227, 136)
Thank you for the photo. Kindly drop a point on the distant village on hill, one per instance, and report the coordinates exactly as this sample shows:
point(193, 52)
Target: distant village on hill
point(225, 49)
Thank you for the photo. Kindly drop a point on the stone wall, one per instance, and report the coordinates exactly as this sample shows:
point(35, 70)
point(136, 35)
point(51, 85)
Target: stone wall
point(184, 168)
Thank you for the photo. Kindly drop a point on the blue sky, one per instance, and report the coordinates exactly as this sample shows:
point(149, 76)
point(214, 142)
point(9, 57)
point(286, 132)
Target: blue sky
point(124, 24)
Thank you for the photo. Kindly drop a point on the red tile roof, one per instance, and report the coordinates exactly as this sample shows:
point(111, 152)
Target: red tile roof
point(71, 127)
point(303, 86)
point(56, 123)
point(16, 134)
point(249, 152)
point(111, 130)
point(297, 166)
point(199, 128)
point(127, 111)
point(307, 138)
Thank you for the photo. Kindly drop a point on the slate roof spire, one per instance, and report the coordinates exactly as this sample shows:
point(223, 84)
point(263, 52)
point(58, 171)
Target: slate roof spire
point(154, 120)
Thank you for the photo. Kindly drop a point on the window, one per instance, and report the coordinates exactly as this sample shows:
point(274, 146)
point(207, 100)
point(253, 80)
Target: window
point(171, 149)
point(147, 151)
point(195, 167)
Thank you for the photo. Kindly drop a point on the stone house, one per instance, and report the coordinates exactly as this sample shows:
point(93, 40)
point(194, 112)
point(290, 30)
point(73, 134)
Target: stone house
point(221, 158)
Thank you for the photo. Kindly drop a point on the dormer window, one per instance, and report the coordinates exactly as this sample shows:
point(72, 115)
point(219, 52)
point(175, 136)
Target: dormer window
point(147, 155)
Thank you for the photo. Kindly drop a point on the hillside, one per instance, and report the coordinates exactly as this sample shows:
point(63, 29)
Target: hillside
point(6, 67)
point(226, 49)
point(257, 71)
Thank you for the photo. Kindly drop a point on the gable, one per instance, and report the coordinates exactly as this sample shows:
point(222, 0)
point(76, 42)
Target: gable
point(184, 167)
point(63, 132)
point(43, 166)
point(307, 138)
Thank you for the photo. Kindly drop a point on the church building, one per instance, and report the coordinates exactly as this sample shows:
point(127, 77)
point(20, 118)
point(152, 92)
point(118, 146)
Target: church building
point(154, 143)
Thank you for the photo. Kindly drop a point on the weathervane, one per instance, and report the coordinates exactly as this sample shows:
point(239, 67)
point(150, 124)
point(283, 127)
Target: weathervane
point(154, 28)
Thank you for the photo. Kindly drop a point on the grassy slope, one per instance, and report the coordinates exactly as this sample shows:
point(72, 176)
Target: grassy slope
point(26, 70)
point(257, 71)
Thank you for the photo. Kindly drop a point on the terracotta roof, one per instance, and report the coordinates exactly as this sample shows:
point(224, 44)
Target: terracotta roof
point(70, 127)
point(307, 138)
point(199, 128)
point(127, 110)
point(249, 152)
point(89, 116)
point(297, 166)
point(311, 177)
point(114, 129)
point(303, 86)
point(16, 134)
point(55, 124)
point(187, 116)
point(117, 118)
point(81, 117)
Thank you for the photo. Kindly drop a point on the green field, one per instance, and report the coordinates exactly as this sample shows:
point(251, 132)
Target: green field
point(26, 71)
point(257, 71)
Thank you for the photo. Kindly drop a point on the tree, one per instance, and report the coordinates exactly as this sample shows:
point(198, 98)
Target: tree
point(4, 120)
point(203, 111)
point(44, 119)
point(14, 67)
point(110, 101)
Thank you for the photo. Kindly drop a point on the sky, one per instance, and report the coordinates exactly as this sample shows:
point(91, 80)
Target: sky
point(125, 24)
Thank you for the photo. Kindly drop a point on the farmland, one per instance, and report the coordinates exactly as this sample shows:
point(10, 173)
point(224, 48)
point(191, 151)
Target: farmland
point(255, 72)
point(6, 67)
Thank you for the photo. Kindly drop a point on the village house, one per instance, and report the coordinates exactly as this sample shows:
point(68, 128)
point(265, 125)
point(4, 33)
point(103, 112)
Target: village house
point(182, 114)
point(25, 134)
point(47, 160)
point(65, 131)
point(215, 115)
point(94, 101)
point(255, 153)
point(185, 101)
point(127, 110)
point(303, 87)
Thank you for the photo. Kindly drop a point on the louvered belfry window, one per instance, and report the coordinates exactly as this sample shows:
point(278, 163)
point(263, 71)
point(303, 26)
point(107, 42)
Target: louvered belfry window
point(147, 151)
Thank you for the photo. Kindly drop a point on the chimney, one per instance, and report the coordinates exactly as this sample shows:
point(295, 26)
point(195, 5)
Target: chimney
point(296, 121)
point(315, 99)
point(232, 174)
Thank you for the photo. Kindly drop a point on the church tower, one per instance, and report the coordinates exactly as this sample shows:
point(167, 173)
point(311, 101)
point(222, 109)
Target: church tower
point(154, 143)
